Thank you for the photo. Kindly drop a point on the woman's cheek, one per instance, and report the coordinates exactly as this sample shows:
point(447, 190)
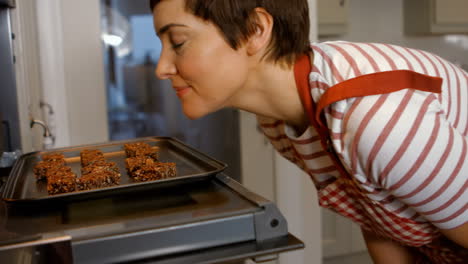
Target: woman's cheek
point(190, 66)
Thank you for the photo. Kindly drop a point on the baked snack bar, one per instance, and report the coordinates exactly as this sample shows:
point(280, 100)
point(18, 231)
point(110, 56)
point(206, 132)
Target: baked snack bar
point(53, 156)
point(60, 178)
point(98, 177)
point(98, 173)
point(88, 156)
point(141, 149)
point(42, 167)
point(146, 169)
point(61, 183)
point(49, 161)
point(58, 171)
point(101, 163)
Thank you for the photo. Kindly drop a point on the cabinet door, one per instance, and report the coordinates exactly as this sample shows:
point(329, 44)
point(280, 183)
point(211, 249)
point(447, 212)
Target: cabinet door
point(451, 11)
point(332, 17)
point(340, 236)
point(436, 16)
point(336, 234)
point(257, 157)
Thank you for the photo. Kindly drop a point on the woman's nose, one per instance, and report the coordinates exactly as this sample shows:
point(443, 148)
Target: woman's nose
point(165, 68)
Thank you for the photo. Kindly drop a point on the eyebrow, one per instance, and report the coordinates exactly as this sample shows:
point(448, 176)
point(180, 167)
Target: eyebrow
point(168, 26)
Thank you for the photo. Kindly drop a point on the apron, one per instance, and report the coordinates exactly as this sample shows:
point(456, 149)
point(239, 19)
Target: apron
point(344, 195)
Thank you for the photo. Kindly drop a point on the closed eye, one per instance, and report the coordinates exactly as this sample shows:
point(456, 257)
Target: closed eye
point(177, 46)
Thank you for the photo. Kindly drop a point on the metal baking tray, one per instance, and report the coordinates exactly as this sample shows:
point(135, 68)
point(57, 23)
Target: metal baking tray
point(191, 164)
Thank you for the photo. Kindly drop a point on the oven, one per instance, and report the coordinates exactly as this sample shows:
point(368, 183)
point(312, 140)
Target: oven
point(200, 216)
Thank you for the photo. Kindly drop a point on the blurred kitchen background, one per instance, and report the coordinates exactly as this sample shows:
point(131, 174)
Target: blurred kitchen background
point(84, 70)
point(140, 105)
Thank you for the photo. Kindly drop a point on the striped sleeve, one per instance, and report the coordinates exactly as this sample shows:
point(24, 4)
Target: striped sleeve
point(274, 131)
point(303, 150)
point(403, 143)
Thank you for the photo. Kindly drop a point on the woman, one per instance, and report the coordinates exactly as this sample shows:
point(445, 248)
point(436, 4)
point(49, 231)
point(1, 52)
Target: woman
point(381, 130)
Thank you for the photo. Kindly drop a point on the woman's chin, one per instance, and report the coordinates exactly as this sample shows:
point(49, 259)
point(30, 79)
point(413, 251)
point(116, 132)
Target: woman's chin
point(194, 113)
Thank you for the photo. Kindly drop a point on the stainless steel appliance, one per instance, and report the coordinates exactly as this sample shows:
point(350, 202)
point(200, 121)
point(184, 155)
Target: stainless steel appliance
point(9, 116)
point(8, 105)
point(200, 216)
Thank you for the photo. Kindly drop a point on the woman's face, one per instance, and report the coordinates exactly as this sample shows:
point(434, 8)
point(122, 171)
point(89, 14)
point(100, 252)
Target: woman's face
point(205, 71)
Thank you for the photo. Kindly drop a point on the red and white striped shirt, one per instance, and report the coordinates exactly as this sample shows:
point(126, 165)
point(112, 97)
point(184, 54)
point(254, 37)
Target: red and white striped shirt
point(407, 149)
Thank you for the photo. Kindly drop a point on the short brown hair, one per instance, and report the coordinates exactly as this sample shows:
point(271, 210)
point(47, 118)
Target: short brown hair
point(290, 36)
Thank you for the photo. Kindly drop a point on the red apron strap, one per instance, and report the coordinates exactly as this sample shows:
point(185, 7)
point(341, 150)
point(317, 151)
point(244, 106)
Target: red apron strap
point(370, 84)
point(377, 83)
point(302, 69)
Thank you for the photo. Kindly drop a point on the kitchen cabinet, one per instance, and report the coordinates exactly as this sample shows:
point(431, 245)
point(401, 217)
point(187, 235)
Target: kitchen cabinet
point(340, 237)
point(332, 16)
point(436, 16)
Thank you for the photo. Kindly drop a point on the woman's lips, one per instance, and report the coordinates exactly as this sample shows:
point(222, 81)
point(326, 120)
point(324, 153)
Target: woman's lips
point(182, 90)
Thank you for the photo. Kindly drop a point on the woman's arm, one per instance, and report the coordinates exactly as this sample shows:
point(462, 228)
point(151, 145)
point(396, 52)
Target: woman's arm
point(458, 235)
point(385, 251)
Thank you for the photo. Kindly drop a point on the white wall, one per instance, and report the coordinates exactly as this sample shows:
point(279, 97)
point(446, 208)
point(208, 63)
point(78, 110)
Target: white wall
point(382, 21)
point(84, 74)
point(72, 69)
point(28, 78)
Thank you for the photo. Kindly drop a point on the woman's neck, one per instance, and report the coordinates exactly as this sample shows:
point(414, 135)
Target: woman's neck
point(271, 91)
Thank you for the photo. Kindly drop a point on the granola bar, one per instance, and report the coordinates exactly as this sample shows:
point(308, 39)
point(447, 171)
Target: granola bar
point(62, 183)
point(88, 156)
point(99, 163)
point(141, 149)
point(145, 169)
point(53, 156)
point(134, 163)
point(98, 177)
point(42, 167)
point(58, 171)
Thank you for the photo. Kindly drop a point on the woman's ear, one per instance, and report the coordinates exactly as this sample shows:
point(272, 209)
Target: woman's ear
point(260, 39)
